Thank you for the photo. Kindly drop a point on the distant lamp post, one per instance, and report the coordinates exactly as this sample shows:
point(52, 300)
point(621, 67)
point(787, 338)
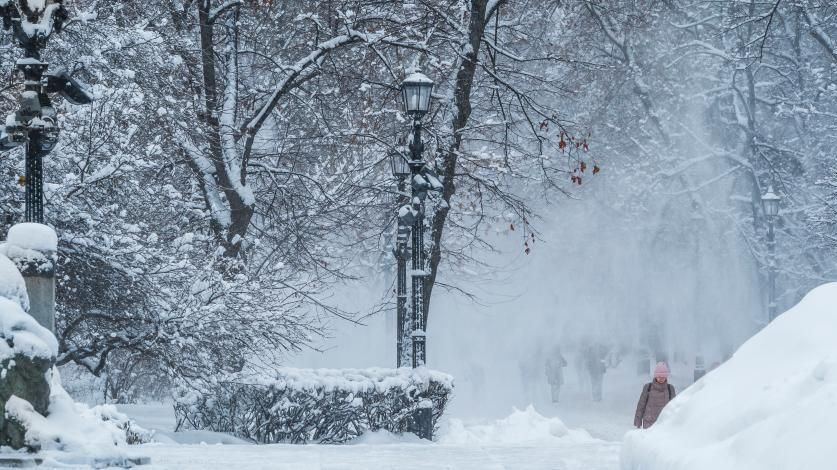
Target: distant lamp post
point(416, 90)
point(401, 170)
point(770, 202)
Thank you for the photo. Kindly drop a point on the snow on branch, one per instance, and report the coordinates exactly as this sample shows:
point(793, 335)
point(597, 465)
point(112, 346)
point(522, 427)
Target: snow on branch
point(220, 9)
point(297, 73)
point(301, 71)
point(315, 405)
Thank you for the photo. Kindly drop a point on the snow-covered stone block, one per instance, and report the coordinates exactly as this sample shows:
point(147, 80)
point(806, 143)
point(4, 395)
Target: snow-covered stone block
point(32, 247)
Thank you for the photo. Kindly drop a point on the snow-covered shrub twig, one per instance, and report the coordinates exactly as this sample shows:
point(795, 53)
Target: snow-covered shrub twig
point(314, 405)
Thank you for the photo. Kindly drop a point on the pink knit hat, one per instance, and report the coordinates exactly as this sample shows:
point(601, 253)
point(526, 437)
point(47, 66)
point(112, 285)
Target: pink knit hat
point(661, 371)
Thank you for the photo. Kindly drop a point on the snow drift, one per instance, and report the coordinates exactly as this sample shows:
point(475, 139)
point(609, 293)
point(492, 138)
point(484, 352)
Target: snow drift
point(78, 433)
point(772, 406)
point(521, 428)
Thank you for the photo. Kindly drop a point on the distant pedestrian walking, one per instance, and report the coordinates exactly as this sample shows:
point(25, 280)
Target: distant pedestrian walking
point(596, 367)
point(555, 373)
point(655, 396)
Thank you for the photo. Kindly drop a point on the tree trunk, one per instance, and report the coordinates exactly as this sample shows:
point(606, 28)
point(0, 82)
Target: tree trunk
point(241, 211)
point(462, 112)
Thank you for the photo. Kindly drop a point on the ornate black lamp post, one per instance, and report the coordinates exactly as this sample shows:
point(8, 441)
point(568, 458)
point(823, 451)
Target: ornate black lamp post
point(770, 202)
point(401, 170)
point(415, 91)
point(32, 22)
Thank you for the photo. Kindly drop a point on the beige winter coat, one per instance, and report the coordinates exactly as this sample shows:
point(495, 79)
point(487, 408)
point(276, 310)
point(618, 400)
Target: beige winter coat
point(655, 396)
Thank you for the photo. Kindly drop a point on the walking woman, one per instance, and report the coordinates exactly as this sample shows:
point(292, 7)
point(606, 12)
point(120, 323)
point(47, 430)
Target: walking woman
point(655, 396)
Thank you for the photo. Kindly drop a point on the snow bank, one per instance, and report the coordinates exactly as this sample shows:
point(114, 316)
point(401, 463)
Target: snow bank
point(384, 437)
point(74, 431)
point(772, 406)
point(21, 332)
point(526, 427)
point(12, 285)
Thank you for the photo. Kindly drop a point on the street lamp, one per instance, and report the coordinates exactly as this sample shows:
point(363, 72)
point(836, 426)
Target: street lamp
point(31, 23)
point(34, 126)
point(770, 203)
point(401, 170)
point(399, 165)
point(415, 92)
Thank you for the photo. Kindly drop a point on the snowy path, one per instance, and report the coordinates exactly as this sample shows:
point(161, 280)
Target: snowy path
point(601, 456)
point(501, 445)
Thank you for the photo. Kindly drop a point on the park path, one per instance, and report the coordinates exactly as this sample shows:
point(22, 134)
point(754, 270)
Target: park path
point(594, 456)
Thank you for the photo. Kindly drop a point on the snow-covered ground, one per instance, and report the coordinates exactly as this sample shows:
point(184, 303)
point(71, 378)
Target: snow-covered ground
point(523, 440)
point(384, 456)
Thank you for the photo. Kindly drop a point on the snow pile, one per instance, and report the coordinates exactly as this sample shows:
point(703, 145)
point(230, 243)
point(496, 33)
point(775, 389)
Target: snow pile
point(772, 406)
point(12, 285)
point(72, 432)
point(384, 437)
point(526, 427)
point(21, 332)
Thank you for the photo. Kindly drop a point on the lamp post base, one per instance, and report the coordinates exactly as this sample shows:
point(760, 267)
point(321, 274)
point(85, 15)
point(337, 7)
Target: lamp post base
point(422, 422)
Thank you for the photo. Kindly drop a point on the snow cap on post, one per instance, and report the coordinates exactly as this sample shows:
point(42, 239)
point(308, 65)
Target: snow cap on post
point(33, 236)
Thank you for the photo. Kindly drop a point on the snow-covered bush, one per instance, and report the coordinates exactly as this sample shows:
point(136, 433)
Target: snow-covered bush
point(315, 405)
point(772, 406)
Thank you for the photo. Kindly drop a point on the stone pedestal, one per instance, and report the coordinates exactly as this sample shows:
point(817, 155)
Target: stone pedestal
point(40, 285)
point(33, 248)
point(24, 377)
point(27, 267)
